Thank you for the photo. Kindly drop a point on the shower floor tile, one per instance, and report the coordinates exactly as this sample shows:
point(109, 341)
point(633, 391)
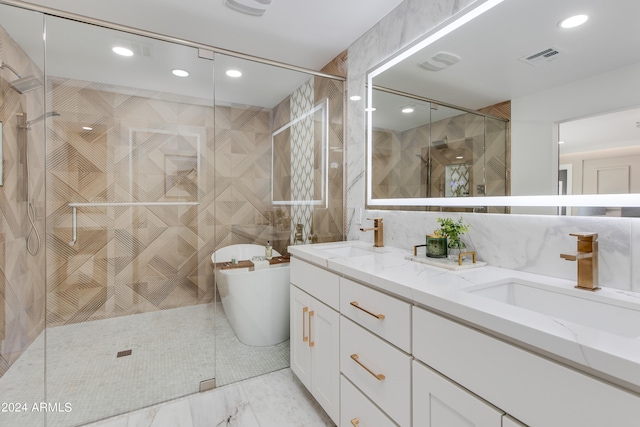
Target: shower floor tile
point(171, 351)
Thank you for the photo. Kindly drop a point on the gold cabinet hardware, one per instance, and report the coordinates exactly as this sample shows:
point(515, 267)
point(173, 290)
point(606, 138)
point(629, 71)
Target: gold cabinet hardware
point(377, 316)
point(311, 343)
point(379, 377)
point(304, 311)
point(355, 422)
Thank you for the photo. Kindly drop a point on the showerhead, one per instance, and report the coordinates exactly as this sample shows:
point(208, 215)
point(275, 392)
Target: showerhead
point(22, 84)
point(26, 84)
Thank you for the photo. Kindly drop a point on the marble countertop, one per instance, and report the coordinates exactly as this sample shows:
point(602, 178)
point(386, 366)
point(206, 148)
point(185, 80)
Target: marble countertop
point(610, 356)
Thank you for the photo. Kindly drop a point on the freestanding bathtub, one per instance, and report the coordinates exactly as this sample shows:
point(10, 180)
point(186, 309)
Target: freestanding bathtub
point(256, 302)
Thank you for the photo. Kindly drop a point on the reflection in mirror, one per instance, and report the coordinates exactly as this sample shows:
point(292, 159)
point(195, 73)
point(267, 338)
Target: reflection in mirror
point(600, 155)
point(516, 53)
point(422, 149)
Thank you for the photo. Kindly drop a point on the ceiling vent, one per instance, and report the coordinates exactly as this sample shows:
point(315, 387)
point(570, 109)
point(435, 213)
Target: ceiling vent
point(541, 57)
point(440, 61)
point(249, 7)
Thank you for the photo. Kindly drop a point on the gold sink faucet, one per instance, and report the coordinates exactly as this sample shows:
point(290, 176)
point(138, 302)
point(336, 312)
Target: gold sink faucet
point(587, 257)
point(378, 232)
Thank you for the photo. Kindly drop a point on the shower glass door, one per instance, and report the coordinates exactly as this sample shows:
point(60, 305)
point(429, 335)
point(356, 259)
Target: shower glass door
point(22, 196)
point(129, 196)
point(279, 145)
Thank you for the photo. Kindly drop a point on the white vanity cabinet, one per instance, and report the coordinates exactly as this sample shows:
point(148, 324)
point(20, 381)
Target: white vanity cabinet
point(315, 333)
point(375, 342)
point(438, 402)
point(357, 410)
point(533, 389)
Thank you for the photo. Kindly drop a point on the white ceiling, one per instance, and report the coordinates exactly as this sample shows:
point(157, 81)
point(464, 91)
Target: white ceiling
point(299, 32)
point(296, 32)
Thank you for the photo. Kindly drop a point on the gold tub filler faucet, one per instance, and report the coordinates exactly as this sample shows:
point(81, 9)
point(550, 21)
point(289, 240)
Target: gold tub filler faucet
point(378, 232)
point(587, 258)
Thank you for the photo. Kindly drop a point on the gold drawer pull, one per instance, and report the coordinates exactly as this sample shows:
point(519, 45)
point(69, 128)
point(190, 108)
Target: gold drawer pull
point(304, 311)
point(379, 377)
point(311, 343)
point(355, 422)
point(377, 316)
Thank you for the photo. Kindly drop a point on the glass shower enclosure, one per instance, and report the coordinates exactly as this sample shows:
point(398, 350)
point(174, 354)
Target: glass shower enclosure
point(121, 177)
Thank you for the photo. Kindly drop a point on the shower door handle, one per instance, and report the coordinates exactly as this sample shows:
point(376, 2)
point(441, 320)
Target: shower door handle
point(311, 343)
point(304, 311)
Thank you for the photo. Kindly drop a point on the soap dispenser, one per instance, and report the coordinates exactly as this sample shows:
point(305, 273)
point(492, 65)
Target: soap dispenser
point(268, 250)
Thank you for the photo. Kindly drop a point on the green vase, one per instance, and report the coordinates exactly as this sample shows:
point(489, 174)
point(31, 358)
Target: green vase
point(436, 247)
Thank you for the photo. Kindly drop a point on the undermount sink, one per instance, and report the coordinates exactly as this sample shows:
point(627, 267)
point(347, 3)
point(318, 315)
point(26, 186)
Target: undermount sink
point(346, 251)
point(585, 308)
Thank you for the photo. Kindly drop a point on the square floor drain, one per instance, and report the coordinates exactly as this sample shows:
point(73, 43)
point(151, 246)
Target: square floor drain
point(124, 353)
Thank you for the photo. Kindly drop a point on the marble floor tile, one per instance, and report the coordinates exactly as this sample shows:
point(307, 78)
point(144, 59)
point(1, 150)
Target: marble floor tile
point(277, 399)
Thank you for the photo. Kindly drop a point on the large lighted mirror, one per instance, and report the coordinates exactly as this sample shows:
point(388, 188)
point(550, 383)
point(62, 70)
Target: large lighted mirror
point(561, 103)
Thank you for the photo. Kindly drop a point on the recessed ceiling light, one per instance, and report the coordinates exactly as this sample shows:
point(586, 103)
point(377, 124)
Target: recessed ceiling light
point(87, 128)
point(370, 109)
point(459, 157)
point(560, 142)
point(180, 73)
point(233, 73)
point(123, 51)
point(573, 21)
point(355, 98)
point(407, 110)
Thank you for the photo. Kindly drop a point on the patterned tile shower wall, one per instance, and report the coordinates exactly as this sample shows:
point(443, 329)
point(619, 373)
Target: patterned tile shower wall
point(327, 221)
point(141, 149)
point(302, 158)
point(22, 281)
point(242, 178)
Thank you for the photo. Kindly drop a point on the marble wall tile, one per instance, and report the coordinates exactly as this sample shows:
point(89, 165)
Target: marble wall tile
point(527, 243)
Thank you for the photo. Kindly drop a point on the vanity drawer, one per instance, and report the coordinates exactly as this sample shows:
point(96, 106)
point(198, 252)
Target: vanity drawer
point(357, 410)
point(317, 282)
point(381, 314)
point(381, 371)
